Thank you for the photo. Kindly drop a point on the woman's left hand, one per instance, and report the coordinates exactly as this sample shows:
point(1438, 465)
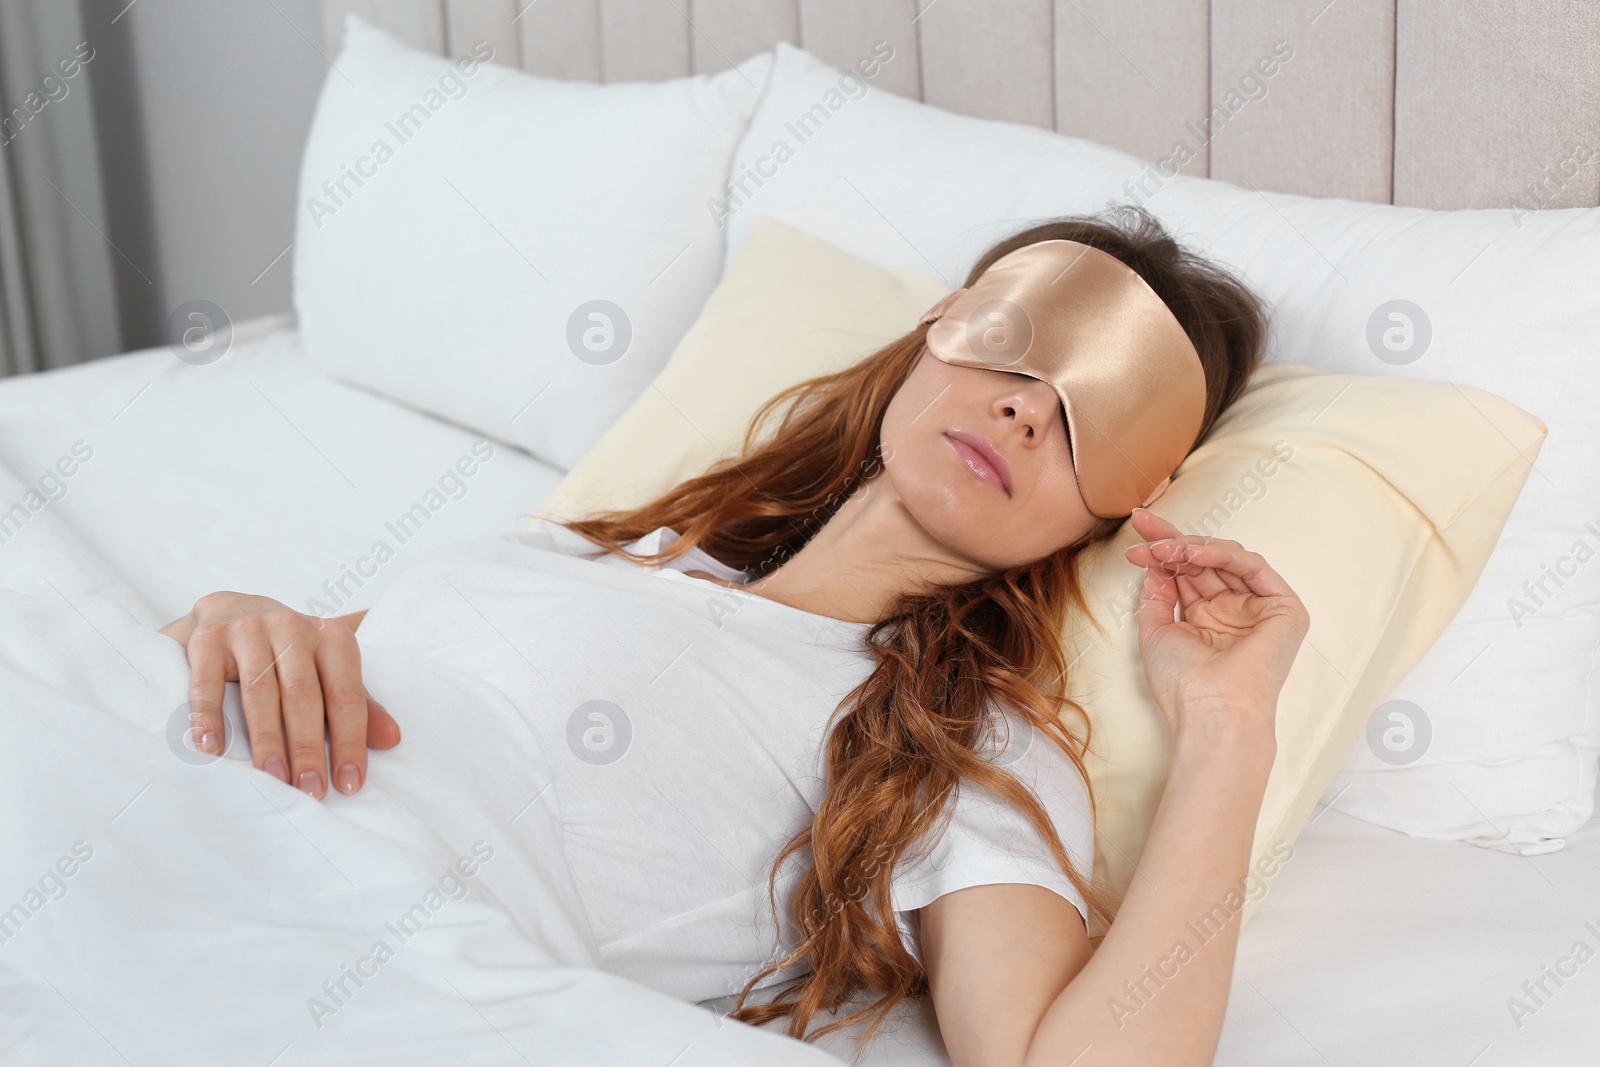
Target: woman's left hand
point(1223, 662)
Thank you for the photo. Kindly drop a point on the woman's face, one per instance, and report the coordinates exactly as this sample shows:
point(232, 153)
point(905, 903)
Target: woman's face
point(937, 435)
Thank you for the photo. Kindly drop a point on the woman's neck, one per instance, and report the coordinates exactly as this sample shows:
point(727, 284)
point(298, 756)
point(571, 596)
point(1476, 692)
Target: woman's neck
point(864, 558)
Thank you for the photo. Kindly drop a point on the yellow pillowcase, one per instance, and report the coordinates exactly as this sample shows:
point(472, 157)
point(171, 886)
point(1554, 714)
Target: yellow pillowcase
point(1378, 499)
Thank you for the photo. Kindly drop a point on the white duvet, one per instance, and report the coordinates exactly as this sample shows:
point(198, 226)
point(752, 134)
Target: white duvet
point(159, 906)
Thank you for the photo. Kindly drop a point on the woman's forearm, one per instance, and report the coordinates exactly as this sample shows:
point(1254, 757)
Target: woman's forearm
point(1157, 988)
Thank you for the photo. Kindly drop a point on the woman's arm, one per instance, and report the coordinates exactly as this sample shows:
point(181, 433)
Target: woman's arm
point(1013, 978)
point(299, 683)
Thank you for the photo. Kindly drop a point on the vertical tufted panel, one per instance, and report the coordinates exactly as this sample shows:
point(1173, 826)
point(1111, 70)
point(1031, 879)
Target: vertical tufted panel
point(726, 32)
point(992, 60)
point(1322, 125)
point(1133, 74)
point(560, 38)
point(1432, 103)
point(466, 22)
point(840, 32)
point(644, 40)
point(1497, 106)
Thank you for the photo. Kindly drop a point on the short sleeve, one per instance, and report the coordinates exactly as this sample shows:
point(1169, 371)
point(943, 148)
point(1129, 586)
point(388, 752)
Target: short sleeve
point(987, 841)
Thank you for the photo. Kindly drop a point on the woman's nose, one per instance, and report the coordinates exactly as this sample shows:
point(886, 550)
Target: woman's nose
point(1031, 403)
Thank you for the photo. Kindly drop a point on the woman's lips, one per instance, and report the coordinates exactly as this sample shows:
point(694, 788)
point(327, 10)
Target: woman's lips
point(981, 458)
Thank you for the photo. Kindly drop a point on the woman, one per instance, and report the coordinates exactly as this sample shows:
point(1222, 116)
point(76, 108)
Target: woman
point(905, 540)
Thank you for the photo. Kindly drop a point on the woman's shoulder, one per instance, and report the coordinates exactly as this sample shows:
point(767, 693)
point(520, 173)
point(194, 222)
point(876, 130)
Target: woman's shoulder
point(1011, 740)
point(552, 536)
point(529, 532)
point(547, 535)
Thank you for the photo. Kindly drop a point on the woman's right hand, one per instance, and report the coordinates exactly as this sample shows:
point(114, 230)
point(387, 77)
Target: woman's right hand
point(299, 681)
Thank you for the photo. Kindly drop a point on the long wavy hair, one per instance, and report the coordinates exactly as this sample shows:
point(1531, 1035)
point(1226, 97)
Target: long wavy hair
point(901, 741)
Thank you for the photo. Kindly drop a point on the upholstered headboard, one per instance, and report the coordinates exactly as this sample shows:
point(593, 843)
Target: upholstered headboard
point(1431, 103)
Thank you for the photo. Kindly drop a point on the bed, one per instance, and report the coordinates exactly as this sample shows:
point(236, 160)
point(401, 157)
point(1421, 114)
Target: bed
point(1374, 947)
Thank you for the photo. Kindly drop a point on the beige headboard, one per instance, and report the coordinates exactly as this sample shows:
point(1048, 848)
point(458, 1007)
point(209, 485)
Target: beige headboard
point(1432, 103)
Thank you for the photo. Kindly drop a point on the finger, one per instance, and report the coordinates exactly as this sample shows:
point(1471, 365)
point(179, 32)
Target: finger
point(1216, 581)
point(1163, 555)
point(1202, 582)
point(258, 692)
point(303, 717)
point(1195, 539)
point(208, 676)
point(1199, 586)
point(382, 730)
point(1228, 556)
point(1188, 595)
point(1208, 582)
point(1158, 599)
point(345, 700)
point(1150, 526)
point(1145, 554)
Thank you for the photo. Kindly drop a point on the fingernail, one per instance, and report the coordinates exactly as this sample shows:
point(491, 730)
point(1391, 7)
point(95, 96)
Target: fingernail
point(348, 778)
point(207, 742)
point(274, 766)
point(310, 782)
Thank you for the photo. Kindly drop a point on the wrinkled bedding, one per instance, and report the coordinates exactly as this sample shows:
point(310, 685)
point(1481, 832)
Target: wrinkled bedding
point(160, 905)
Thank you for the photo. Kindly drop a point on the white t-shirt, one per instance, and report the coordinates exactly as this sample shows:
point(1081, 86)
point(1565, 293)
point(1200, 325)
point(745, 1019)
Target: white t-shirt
point(685, 722)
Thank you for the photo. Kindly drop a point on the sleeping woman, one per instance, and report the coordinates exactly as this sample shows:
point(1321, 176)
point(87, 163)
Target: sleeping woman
point(809, 710)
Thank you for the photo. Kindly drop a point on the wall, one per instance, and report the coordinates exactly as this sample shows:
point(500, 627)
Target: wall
point(202, 109)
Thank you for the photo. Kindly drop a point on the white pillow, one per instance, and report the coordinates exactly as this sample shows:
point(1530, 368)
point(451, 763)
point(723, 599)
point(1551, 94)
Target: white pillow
point(1510, 303)
point(515, 238)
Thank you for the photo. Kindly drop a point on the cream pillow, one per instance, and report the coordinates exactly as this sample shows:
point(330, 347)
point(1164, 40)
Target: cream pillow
point(1378, 499)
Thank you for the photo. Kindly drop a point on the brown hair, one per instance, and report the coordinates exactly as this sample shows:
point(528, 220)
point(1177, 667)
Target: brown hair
point(902, 740)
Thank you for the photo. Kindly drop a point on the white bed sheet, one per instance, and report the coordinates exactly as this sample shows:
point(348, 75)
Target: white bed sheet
point(1378, 949)
point(1373, 948)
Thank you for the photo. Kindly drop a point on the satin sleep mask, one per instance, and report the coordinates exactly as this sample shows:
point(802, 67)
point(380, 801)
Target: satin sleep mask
point(1129, 378)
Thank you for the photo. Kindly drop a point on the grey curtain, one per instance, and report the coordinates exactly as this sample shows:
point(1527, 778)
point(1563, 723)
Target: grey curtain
point(57, 293)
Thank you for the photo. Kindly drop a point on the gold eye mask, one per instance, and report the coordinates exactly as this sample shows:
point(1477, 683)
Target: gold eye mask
point(1129, 378)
